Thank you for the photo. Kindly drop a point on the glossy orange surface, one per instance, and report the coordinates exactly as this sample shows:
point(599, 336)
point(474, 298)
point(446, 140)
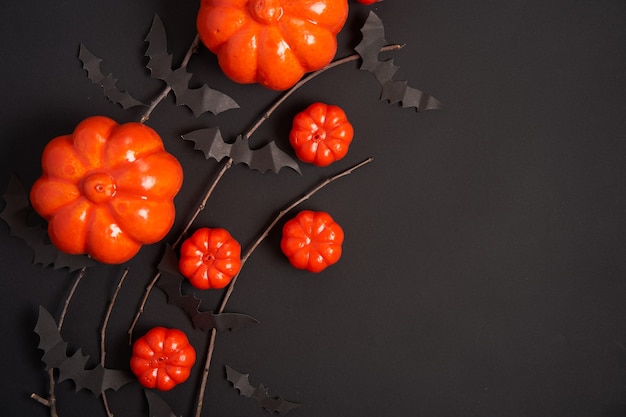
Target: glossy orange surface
point(271, 42)
point(210, 258)
point(107, 189)
point(321, 134)
point(312, 240)
point(162, 358)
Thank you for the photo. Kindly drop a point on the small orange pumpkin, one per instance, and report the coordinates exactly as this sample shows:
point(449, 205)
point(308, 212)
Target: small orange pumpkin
point(210, 258)
point(272, 42)
point(321, 134)
point(162, 358)
point(312, 240)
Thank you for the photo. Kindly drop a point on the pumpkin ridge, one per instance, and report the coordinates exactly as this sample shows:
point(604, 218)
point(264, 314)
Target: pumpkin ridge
point(52, 224)
point(66, 206)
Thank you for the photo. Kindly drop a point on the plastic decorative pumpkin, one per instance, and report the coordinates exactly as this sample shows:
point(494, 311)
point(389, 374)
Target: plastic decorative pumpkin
point(271, 42)
point(107, 189)
point(162, 358)
point(312, 240)
point(321, 134)
point(210, 258)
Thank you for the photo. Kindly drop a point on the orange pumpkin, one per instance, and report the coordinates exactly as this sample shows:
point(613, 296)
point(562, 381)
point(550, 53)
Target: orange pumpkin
point(312, 240)
point(107, 189)
point(162, 358)
point(210, 258)
point(272, 42)
point(321, 134)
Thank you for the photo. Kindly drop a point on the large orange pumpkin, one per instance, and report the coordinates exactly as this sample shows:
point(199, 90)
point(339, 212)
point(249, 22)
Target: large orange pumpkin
point(107, 189)
point(272, 42)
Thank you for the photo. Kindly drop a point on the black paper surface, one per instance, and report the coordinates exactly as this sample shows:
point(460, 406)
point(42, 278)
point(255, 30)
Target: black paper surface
point(483, 271)
point(73, 366)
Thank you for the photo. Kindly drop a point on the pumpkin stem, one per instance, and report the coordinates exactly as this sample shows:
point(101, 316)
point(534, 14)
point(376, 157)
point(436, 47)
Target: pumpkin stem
point(267, 12)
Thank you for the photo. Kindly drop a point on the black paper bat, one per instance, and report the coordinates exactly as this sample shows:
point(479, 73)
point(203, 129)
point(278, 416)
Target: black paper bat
point(392, 90)
point(170, 282)
point(156, 406)
point(241, 382)
point(199, 100)
point(92, 64)
point(15, 213)
point(269, 157)
point(96, 380)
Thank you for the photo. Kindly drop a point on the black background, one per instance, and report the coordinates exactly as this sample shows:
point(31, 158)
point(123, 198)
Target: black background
point(483, 271)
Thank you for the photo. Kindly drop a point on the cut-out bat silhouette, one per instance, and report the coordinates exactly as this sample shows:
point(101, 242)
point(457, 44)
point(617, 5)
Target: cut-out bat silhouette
point(92, 64)
point(199, 100)
point(242, 383)
point(269, 157)
point(170, 282)
point(96, 380)
point(157, 407)
point(392, 90)
point(15, 213)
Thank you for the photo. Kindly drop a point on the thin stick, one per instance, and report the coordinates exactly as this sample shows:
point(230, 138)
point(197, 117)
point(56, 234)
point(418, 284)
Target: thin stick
point(280, 215)
point(225, 167)
point(107, 316)
point(51, 401)
point(201, 206)
point(105, 401)
point(231, 287)
point(306, 79)
point(79, 277)
point(205, 372)
point(193, 48)
point(105, 323)
point(142, 305)
point(40, 399)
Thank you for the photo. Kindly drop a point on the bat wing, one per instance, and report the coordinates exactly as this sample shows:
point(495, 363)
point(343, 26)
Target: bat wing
point(269, 157)
point(241, 382)
point(170, 282)
point(394, 91)
point(15, 213)
point(96, 380)
point(156, 405)
point(266, 158)
point(200, 100)
point(210, 142)
point(92, 65)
